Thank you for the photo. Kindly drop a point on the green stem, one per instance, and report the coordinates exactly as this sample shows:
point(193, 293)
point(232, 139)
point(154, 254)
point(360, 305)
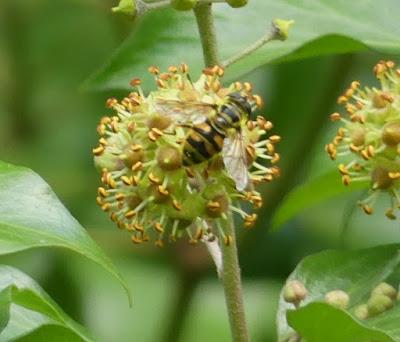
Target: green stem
point(205, 24)
point(230, 270)
point(249, 50)
point(233, 286)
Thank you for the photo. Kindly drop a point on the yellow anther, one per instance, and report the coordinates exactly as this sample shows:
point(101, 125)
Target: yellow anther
point(162, 190)
point(158, 227)
point(346, 180)
point(394, 175)
point(154, 70)
point(275, 159)
point(259, 101)
point(111, 102)
point(335, 116)
point(367, 209)
point(130, 214)
point(98, 151)
point(137, 166)
point(390, 214)
point(176, 205)
point(119, 197)
point(102, 192)
point(247, 86)
point(106, 207)
point(136, 147)
point(99, 200)
point(343, 169)
point(136, 240)
point(157, 132)
point(154, 179)
point(126, 180)
point(274, 139)
point(342, 99)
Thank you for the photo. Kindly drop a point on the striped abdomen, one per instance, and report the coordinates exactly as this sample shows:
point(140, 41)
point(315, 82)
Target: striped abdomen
point(202, 142)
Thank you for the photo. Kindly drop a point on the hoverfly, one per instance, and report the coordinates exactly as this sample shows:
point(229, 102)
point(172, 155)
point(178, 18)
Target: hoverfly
point(213, 129)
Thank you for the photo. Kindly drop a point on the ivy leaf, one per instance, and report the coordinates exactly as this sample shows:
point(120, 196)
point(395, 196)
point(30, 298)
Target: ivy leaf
point(321, 27)
point(305, 196)
point(355, 272)
point(332, 325)
point(32, 216)
point(31, 312)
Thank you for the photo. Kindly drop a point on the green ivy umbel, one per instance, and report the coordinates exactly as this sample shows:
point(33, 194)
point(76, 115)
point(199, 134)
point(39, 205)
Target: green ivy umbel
point(368, 139)
point(147, 190)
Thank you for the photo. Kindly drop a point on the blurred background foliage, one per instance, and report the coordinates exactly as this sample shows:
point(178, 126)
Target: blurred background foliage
point(48, 48)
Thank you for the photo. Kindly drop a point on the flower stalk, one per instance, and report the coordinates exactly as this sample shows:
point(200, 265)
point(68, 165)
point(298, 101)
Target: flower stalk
point(230, 273)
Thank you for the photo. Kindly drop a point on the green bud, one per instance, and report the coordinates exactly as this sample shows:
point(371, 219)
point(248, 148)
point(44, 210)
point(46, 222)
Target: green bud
point(379, 303)
point(183, 5)
point(237, 3)
point(338, 299)
point(281, 28)
point(386, 290)
point(361, 311)
point(294, 292)
point(126, 7)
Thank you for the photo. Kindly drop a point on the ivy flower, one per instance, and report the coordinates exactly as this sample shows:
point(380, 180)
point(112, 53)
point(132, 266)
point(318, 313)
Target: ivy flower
point(367, 141)
point(181, 159)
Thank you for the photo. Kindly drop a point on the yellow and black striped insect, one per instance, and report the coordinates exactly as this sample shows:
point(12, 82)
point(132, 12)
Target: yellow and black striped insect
point(214, 129)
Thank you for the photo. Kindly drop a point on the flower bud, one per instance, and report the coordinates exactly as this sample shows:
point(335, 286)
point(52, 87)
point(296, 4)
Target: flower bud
point(361, 311)
point(183, 5)
point(281, 28)
point(378, 304)
point(126, 7)
point(386, 290)
point(294, 292)
point(338, 299)
point(237, 3)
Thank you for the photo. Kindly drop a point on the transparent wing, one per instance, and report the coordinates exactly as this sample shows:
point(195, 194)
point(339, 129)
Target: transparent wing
point(234, 156)
point(185, 112)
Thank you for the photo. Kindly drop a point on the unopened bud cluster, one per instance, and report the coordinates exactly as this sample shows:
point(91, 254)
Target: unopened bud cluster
point(382, 298)
point(148, 190)
point(368, 140)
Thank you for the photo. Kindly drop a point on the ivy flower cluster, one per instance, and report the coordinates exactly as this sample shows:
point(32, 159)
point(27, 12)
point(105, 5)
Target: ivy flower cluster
point(147, 188)
point(368, 140)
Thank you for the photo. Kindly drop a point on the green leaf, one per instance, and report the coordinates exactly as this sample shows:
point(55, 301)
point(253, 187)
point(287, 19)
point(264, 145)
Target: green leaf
point(355, 272)
point(321, 27)
point(5, 301)
point(311, 193)
point(332, 325)
point(32, 312)
point(31, 216)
